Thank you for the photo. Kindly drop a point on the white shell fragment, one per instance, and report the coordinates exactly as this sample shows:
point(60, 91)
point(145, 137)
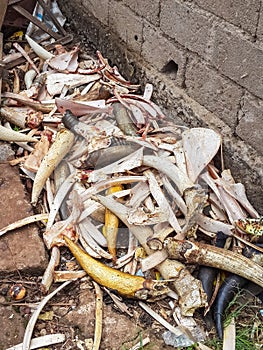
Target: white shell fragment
point(56, 153)
point(200, 146)
point(56, 81)
point(38, 49)
point(14, 136)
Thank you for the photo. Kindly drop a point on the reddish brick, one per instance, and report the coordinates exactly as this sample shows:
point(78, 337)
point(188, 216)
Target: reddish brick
point(249, 127)
point(20, 249)
point(238, 58)
point(243, 14)
point(187, 25)
point(210, 89)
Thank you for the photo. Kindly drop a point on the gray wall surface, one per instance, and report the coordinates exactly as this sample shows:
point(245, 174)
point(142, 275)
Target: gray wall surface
point(217, 48)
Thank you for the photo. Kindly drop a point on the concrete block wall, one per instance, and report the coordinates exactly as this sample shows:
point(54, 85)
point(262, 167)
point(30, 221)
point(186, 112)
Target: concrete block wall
point(210, 51)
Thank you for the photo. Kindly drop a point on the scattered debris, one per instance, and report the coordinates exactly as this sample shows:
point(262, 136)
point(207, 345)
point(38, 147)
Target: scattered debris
point(108, 169)
point(39, 342)
point(17, 291)
point(34, 317)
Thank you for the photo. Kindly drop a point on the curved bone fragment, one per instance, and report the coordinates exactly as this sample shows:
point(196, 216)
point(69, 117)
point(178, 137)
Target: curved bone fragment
point(200, 146)
point(172, 171)
point(38, 49)
point(188, 288)
point(56, 153)
point(14, 136)
point(56, 81)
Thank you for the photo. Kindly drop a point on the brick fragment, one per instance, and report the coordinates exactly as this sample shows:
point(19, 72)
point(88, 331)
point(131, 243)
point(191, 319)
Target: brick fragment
point(20, 249)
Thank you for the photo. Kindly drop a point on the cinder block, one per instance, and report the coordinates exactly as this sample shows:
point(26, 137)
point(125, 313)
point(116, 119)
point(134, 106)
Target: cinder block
point(238, 58)
point(77, 3)
point(249, 127)
point(218, 94)
point(128, 26)
point(146, 9)
point(163, 54)
point(243, 14)
point(187, 25)
point(101, 12)
point(260, 25)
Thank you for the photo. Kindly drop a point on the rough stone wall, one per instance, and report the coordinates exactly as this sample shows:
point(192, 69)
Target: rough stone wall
point(210, 51)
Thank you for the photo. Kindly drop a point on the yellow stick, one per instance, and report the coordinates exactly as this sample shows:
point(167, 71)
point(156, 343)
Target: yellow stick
point(110, 229)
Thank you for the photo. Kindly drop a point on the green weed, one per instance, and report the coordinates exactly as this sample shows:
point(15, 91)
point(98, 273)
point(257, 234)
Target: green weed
point(246, 320)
